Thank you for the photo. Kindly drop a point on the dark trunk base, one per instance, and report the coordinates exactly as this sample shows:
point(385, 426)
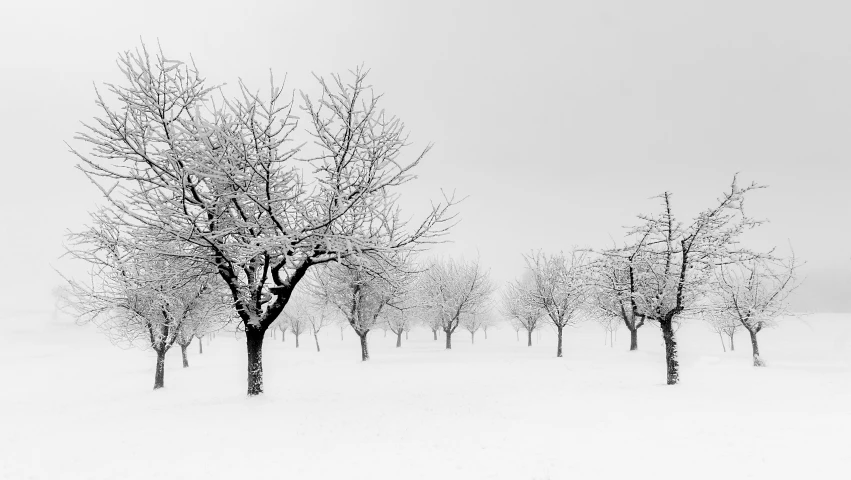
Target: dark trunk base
point(398, 339)
point(159, 373)
point(254, 345)
point(558, 350)
point(633, 339)
point(670, 352)
point(757, 360)
point(183, 353)
point(364, 350)
point(448, 339)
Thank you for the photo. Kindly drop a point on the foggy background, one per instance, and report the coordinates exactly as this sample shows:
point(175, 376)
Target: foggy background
point(557, 120)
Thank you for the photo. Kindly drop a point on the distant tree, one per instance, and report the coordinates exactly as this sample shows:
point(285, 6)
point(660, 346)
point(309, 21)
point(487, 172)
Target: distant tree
point(617, 284)
point(455, 288)
point(207, 312)
point(134, 295)
point(360, 289)
point(318, 317)
point(222, 176)
point(298, 322)
point(559, 288)
point(472, 322)
point(754, 293)
point(398, 321)
point(488, 322)
point(282, 325)
point(519, 310)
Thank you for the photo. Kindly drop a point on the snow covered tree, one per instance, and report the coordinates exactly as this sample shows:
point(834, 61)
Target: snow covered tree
point(677, 261)
point(135, 296)
point(616, 277)
point(220, 176)
point(754, 293)
point(559, 288)
point(360, 289)
point(399, 321)
point(282, 325)
point(454, 288)
point(722, 325)
point(488, 322)
point(473, 322)
point(298, 323)
point(520, 312)
point(207, 313)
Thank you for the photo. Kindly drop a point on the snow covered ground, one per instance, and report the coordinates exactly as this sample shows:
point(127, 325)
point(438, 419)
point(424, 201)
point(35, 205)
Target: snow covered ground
point(72, 406)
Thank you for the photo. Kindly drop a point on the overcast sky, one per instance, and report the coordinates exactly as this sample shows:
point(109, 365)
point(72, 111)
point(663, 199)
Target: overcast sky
point(558, 120)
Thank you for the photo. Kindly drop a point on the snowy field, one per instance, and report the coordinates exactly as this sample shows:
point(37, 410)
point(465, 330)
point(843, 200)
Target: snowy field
point(72, 406)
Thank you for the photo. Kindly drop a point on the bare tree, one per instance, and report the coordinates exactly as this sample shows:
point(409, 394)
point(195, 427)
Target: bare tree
point(282, 325)
point(678, 260)
point(360, 289)
point(488, 322)
point(133, 295)
point(472, 322)
point(298, 323)
point(219, 175)
point(559, 288)
point(455, 288)
point(617, 287)
point(398, 321)
point(519, 310)
point(206, 312)
point(754, 293)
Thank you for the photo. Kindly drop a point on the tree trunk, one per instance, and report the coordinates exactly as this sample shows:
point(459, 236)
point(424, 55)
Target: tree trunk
point(486, 334)
point(159, 374)
point(757, 361)
point(633, 339)
point(670, 351)
point(341, 333)
point(254, 345)
point(530, 339)
point(723, 345)
point(448, 339)
point(364, 351)
point(518, 334)
point(183, 353)
point(283, 337)
point(435, 334)
point(560, 329)
point(200, 346)
point(316, 337)
point(732, 345)
point(296, 340)
point(406, 334)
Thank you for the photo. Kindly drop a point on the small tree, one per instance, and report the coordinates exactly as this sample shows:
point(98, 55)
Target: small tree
point(455, 288)
point(134, 295)
point(617, 285)
point(521, 313)
point(559, 288)
point(298, 322)
point(753, 294)
point(472, 322)
point(399, 321)
point(360, 288)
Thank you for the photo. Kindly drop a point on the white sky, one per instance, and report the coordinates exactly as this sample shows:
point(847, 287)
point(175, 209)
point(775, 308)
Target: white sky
point(559, 120)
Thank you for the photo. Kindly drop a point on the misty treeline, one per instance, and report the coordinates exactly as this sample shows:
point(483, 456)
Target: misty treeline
point(271, 213)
